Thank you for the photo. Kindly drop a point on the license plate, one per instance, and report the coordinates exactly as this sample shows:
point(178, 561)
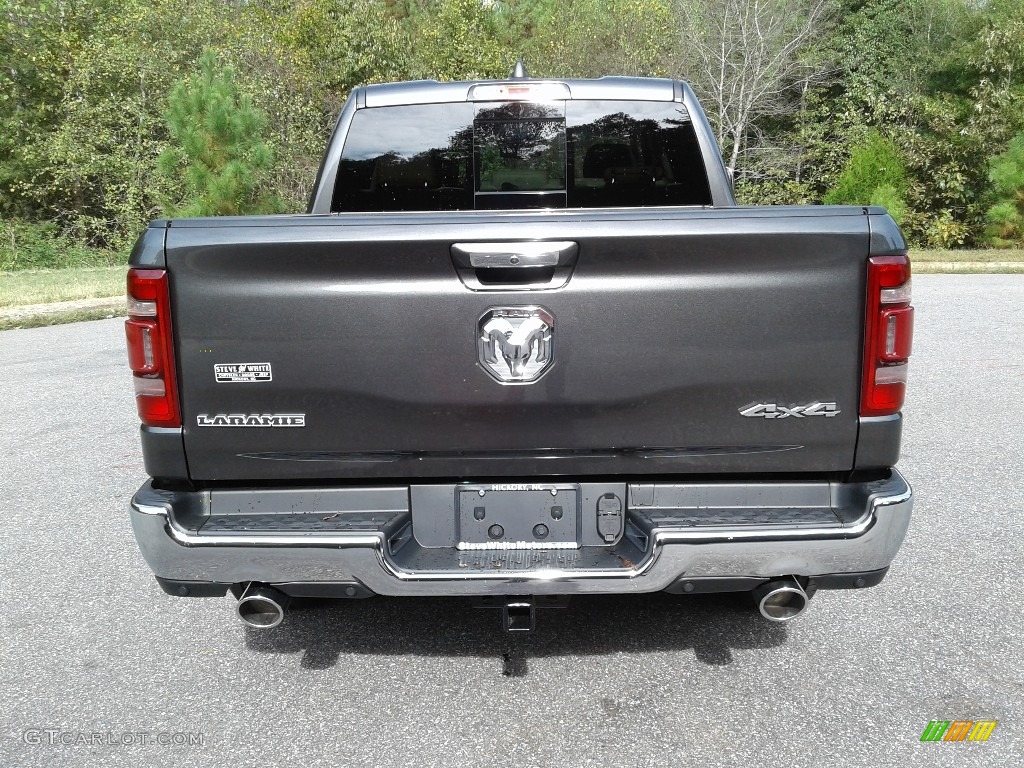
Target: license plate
point(518, 515)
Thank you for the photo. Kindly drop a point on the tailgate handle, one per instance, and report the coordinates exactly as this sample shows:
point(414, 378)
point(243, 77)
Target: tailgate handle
point(517, 265)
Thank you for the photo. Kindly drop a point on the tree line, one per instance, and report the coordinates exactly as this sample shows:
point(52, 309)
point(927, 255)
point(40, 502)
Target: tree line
point(114, 112)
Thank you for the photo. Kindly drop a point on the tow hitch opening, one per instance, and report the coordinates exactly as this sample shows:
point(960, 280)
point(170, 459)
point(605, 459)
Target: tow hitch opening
point(519, 614)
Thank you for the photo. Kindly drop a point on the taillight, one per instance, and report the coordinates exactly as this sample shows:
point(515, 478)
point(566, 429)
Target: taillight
point(151, 347)
point(888, 335)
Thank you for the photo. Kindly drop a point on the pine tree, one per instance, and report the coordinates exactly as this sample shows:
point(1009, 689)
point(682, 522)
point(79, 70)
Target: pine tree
point(1006, 217)
point(875, 174)
point(218, 158)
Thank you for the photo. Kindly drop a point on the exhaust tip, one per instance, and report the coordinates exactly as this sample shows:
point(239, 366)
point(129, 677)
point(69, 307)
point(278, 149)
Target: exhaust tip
point(781, 600)
point(262, 607)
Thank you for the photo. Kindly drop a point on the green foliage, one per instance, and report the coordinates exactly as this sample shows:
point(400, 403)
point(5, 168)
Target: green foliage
point(1006, 217)
point(28, 245)
point(520, 22)
point(887, 50)
point(592, 38)
point(86, 83)
point(891, 198)
point(218, 152)
point(360, 39)
point(36, 46)
point(461, 40)
point(973, 103)
point(947, 164)
point(945, 231)
point(95, 79)
point(901, 68)
point(875, 174)
point(773, 188)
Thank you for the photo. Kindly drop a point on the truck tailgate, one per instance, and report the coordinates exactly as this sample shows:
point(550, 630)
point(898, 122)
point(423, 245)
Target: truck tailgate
point(673, 323)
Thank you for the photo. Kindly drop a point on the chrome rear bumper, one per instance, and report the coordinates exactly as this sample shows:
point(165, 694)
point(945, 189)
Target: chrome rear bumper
point(370, 541)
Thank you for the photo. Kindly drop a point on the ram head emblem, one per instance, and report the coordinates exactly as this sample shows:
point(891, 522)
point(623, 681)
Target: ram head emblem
point(516, 343)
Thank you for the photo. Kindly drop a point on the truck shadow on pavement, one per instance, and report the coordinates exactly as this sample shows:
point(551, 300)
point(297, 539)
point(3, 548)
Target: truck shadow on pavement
point(711, 625)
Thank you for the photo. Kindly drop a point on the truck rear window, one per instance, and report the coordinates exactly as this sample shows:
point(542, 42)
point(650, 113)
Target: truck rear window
point(515, 155)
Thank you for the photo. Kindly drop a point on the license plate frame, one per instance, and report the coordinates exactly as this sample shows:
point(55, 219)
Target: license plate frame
point(518, 509)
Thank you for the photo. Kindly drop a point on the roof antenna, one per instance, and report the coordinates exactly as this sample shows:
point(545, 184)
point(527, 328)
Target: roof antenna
point(519, 72)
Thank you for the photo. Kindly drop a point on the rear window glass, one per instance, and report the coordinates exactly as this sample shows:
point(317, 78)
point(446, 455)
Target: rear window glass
point(514, 155)
point(411, 158)
point(629, 153)
point(519, 155)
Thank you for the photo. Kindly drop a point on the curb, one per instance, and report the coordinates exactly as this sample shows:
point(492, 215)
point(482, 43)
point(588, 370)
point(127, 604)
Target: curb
point(970, 267)
point(33, 315)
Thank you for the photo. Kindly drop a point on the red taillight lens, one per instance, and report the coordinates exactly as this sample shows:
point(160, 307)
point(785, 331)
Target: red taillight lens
point(897, 334)
point(888, 335)
point(143, 354)
point(151, 348)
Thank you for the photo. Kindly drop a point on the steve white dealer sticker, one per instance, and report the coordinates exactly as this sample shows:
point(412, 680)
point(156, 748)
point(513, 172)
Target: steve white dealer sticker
point(242, 372)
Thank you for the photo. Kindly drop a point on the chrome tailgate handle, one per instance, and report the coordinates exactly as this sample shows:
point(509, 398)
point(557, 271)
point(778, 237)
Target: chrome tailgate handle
point(545, 254)
point(516, 265)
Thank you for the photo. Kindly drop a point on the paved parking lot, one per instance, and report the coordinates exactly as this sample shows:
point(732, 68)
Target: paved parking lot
point(90, 645)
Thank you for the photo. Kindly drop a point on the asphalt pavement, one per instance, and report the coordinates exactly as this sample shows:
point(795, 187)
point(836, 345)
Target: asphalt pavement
point(98, 667)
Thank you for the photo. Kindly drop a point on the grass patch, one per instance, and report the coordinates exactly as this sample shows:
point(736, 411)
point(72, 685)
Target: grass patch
point(985, 255)
point(44, 286)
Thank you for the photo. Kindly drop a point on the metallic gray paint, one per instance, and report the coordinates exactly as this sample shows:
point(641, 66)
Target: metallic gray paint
point(719, 181)
point(148, 252)
point(434, 92)
point(163, 452)
point(323, 190)
point(878, 442)
point(672, 321)
point(886, 237)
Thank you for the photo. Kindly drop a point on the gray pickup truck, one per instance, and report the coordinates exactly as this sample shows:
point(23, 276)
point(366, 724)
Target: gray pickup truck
point(524, 344)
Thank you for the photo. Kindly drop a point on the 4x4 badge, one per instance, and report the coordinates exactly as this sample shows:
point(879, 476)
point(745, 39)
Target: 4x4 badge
point(774, 411)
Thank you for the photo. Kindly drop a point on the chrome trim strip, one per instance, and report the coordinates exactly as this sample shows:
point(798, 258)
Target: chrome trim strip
point(543, 575)
point(148, 509)
point(334, 541)
point(884, 501)
point(190, 539)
